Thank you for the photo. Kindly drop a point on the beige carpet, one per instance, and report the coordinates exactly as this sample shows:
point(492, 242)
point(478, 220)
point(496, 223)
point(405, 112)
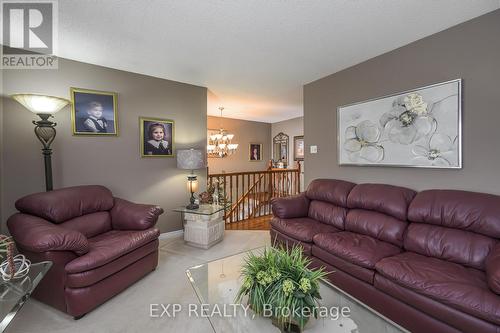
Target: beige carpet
point(129, 311)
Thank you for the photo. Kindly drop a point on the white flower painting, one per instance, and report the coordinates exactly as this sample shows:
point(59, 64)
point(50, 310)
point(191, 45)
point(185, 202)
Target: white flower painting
point(418, 128)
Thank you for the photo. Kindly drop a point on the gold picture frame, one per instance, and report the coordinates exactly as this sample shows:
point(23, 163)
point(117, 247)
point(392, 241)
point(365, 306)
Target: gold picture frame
point(104, 103)
point(149, 146)
point(298, 148)
point(251, 147)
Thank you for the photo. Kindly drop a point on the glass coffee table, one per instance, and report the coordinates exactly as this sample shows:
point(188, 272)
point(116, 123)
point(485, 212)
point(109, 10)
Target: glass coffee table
point(216, 284)
point(13, 294)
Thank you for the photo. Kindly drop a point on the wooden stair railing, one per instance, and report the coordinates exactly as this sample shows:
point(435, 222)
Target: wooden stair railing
point(251, 192)
point(239, 206)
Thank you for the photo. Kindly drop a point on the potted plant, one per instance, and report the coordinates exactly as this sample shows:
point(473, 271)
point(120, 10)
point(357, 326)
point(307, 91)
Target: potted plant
point(279, 284)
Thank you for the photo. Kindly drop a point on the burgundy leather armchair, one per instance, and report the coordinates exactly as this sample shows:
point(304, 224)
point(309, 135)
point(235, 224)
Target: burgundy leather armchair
point(99, 244)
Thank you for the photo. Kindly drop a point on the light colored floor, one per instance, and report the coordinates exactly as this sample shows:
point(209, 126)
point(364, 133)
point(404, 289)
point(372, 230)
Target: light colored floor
point(129, 311)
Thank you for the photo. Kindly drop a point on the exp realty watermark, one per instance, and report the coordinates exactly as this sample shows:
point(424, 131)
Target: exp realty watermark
point(29, 34)
point(160, 310)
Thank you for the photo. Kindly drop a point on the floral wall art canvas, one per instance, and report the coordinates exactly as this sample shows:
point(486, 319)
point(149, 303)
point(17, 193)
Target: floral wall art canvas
point(417, 128)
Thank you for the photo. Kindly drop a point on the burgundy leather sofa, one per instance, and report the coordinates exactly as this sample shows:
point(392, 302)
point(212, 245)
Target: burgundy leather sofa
point(429, 261)
point(98, 244)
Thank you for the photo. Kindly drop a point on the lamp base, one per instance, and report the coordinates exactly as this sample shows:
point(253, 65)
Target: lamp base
point(193, 206)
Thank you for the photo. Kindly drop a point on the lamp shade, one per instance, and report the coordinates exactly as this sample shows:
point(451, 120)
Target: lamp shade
point(190, 159)
point(40, 103)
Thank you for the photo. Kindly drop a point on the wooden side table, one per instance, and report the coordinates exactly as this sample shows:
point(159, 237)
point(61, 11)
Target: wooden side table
point(203, 227)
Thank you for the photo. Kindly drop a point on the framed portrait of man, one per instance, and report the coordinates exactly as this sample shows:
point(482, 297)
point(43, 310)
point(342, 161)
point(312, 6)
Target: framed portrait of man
point(255, 151)
point(93, 112)
point(157, 137)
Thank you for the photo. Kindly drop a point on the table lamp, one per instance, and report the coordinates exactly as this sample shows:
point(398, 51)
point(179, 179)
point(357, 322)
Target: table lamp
point(45, 107)
point(191, 159)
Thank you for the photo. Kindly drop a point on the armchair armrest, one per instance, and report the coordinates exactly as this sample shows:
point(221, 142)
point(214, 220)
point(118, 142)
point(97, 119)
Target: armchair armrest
point(38, 235)
point(126, 215)
point(290, 207)
point(493, 269)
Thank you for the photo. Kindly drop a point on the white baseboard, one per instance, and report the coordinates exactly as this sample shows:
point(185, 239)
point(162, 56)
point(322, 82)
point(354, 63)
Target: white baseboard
point(171, 234)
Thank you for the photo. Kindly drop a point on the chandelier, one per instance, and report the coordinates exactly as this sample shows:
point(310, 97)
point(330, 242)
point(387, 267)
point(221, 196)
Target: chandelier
point(219, 144)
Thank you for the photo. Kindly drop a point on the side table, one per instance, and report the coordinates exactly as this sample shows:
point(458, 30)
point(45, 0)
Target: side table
point(13, 294)
point(203, 227)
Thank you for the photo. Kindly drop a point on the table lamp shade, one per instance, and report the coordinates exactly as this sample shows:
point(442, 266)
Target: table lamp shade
point(190, 159)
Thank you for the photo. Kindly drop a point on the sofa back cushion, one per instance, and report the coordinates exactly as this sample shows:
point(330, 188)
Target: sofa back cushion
point(333, 191)
point(379, 211)
point(382, 198)
point(90, 225)
point(63, 204)
point(458, 246)
point(453, 225)
point(471, 211)
point(329, 201)
point(493, 269)
point(327, 213)
point(376, 225)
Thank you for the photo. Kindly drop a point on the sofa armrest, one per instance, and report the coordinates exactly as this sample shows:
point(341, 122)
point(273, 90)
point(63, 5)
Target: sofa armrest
point(290, 207)
point(126, 215)
point(38, 235)
point(493, 269)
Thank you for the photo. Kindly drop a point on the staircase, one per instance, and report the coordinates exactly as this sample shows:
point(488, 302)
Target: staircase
point(251, 192)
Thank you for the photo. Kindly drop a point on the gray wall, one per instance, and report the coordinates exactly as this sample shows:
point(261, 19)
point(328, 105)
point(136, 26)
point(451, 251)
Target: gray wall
point(470, 51)
point(245, 132)
point(111, 161)
point(291, 127)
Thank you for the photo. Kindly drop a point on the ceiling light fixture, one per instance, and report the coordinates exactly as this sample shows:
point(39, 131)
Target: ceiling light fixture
point(220, 144)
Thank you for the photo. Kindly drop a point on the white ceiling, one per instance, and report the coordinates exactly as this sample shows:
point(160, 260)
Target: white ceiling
point(254, 56)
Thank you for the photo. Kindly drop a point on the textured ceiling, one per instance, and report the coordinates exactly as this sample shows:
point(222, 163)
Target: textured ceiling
point(254, 56)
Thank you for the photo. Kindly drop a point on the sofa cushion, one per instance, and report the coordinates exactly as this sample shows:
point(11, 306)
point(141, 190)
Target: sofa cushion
point(471, 211)
point(327, 213)
point(461, 321)
point(358, 249)
point(88, 278)
point(279, 239)
point(459, 246)
point(387, 199)
point(452, 284)
point(302, 229)
point(109, 246)
point(63, 204)
point(493, 269)
point(380, 226)
point(330, 190)
point(339, 264)
point(89, 225)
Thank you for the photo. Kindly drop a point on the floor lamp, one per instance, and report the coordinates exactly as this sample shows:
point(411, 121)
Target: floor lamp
point(44, 107)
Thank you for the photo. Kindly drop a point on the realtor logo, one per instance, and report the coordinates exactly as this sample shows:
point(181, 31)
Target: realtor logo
point(29, 34)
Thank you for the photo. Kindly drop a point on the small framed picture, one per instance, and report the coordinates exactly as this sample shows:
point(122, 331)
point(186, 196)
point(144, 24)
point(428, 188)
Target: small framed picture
point(255, 151)
point(298, 148)
point(93, 112)
point(157, 137)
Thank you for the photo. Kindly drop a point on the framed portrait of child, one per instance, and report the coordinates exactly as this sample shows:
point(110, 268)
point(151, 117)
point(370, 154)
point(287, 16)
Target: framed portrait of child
point(157, 137)
point(255, 150)
point(93, 112)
